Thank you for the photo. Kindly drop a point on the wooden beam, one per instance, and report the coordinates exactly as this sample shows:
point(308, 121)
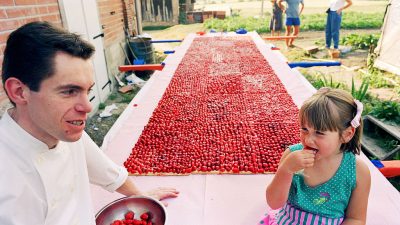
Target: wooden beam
point(141, 67)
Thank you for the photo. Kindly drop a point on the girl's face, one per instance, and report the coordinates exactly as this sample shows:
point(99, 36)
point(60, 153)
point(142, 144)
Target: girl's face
point(325, 143)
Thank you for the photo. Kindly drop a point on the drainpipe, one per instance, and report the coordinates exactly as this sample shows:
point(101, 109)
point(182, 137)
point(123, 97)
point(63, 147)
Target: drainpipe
point(138, 9)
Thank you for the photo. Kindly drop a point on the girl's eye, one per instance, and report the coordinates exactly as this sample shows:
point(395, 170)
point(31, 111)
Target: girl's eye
point(303, 130)
point(320, 133)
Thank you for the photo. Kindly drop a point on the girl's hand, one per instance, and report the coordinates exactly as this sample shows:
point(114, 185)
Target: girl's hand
point(298, 160)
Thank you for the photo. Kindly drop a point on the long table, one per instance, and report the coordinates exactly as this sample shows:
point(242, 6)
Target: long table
point(221, 199)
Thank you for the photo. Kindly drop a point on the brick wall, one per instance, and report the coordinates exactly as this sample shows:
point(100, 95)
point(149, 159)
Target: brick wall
point(115, 16)
point(15, 13)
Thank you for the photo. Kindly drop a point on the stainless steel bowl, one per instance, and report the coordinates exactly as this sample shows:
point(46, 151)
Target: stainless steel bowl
point(138, 204)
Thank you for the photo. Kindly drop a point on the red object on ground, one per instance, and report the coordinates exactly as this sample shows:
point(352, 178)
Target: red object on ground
point(200, 32)
point(279, 37)
point(391, 168)
point(141, 67)
point(275, 48)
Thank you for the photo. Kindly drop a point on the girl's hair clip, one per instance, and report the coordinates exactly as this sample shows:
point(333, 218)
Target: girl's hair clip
point(356, 120)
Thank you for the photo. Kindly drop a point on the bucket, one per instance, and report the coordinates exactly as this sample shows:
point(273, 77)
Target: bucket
point(144, 51)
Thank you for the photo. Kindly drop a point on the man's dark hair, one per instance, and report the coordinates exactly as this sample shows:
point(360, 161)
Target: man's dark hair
point(31, 49)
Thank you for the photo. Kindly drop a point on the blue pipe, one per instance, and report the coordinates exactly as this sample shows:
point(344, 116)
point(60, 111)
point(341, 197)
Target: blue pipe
point(169, 52)
point(164, 41)
point(310, 64)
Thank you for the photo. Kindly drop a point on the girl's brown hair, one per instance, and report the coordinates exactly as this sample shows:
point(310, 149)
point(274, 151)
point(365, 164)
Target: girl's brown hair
point(332, 110)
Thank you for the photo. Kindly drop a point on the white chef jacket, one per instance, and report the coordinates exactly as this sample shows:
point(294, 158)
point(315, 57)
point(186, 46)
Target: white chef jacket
point(334, 5)
point(42, 186)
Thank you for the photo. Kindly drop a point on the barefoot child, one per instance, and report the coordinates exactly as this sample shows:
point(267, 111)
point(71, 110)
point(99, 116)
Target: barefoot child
point(320, 181)
point(293, 11)
point(275, 24)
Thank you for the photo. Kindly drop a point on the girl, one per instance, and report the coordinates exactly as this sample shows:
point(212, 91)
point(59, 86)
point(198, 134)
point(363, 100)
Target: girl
point(292, 18)
point(275, 24)
point(320, 181)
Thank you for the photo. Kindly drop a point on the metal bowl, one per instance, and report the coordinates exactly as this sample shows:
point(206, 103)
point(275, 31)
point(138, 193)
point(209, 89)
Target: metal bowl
point(117, 209)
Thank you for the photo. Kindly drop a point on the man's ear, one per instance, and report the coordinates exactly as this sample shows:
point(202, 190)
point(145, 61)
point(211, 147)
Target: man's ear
point(348, 134)
point(16, 90)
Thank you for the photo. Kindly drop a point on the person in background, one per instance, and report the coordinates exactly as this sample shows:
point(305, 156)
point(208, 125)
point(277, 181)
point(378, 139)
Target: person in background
point(275, 24)
point(333, 22)
point(47, 161)
point(293, 12)
point(320, 180)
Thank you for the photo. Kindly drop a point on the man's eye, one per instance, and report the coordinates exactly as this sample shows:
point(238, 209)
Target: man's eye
point(69, 92)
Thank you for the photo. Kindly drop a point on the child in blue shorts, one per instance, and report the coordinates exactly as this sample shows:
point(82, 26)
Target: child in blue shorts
point(293, 11)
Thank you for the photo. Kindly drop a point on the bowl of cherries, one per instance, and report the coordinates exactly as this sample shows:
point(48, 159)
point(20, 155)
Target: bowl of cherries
point(135, 210)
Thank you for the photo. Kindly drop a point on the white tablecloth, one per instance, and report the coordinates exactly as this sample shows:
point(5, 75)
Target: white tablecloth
point(221, 199)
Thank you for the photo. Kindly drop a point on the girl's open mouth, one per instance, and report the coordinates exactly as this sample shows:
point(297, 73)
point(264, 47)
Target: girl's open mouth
point(313, 149)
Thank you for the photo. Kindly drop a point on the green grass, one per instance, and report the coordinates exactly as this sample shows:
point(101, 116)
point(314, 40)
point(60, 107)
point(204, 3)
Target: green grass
point(351, 20)
point(160, 27)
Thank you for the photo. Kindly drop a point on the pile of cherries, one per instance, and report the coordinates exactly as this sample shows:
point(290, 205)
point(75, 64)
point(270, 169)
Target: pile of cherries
point(231, 115)
point(145, 219)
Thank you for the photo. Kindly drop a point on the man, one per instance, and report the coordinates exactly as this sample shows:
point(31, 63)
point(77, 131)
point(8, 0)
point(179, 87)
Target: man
point(46, 159)
point(334, 21)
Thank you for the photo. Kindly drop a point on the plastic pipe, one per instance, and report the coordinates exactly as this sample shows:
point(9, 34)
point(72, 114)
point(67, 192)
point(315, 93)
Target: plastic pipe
point(164, 41)
point(169, 52)
point(141, 67)
point(310, 64)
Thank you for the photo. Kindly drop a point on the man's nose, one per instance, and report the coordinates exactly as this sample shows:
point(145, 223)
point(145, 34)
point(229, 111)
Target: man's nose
point(84, 104)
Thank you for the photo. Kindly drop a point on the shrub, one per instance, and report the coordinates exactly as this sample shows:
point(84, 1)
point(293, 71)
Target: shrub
point(358, 41)
point(387, 110)
point(351, 20)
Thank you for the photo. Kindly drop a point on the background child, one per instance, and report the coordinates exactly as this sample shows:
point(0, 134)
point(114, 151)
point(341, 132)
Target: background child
point(276, 19)
point(320, 181)
point(292, 18)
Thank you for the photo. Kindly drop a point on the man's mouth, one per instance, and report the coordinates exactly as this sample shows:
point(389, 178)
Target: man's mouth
point(76, 122)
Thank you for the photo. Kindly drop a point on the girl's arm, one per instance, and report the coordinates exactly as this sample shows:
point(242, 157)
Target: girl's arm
point(278, 190)
point(356, 212)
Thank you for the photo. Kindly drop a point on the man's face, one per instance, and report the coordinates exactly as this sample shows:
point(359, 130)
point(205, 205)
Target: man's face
point(58, 110)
